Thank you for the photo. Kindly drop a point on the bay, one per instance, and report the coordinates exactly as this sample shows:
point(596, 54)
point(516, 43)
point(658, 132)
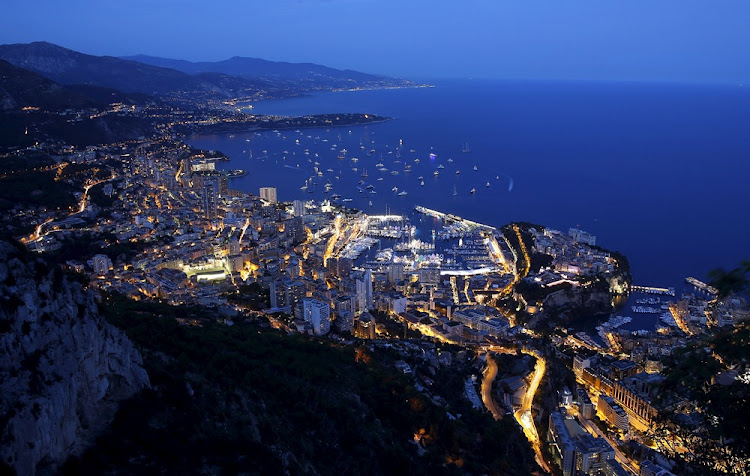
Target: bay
point(656, 171)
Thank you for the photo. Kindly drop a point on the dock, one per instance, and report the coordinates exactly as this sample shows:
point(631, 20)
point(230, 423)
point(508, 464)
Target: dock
point(653, 290)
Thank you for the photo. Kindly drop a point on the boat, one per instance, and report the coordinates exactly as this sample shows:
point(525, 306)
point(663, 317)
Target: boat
point(379, 164)
point(380, 179)
point(488, 184)
point(364, 173)
point(394, 189)
point(473, 190)
point(466, 148)
point(370, 186)
point(355, 160)
point(416, 161)
point(394, 172)
point(435, 173)
point(347, 200)
point(402, 193)
point(335, 196)
point(458, 172)
point(421, 183)
point(450, 160)
point(475, 168)
point(441, 166)
point(329, 170)
point(420, 178)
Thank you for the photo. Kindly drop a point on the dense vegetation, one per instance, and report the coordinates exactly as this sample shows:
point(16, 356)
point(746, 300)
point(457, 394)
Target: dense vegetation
point(717, 420)
point(246, 399)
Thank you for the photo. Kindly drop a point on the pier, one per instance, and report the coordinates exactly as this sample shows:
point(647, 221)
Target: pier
point(653, 290)
point(702, 286)
point(453, 218)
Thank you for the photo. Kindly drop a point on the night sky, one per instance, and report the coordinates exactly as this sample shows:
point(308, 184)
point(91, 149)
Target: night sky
point(645, 40)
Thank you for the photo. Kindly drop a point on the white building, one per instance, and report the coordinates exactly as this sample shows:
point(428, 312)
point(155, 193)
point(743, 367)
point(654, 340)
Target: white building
point(364, 292)
point(268, 194)
point(318, 314)
point(580, 236)
point(101, 264)
point(299, 208)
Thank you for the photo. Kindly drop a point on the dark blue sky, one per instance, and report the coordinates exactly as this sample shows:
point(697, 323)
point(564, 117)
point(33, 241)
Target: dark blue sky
point(673, 40)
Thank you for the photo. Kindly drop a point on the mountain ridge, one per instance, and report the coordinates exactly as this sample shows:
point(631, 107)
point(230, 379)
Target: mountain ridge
point(237, 77)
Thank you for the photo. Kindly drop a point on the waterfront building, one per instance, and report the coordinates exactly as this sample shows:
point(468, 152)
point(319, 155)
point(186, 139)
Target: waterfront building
point(268, 194)
point(580, 236)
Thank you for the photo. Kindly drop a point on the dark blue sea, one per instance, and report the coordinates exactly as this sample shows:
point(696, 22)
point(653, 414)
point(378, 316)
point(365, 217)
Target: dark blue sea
point(656, 171)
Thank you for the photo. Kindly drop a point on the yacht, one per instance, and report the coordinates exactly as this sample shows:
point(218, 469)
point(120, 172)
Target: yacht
point(355, 160)
point(380, 179)
point(441, 166)
point(402, 193)
point(394, 189)
point(420, 178)
point(450, 160)
point(436, 173)
point(473, 190)
point(488, 184)
point(416, 161)
point(458, 172)
point(475, 168)
point(421, 183)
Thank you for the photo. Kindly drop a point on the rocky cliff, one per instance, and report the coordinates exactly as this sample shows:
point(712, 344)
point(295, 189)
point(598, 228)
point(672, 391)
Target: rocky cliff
point(63, 368)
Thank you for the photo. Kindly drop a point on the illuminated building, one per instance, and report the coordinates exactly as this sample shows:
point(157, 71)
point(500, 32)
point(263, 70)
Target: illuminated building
point(210, 196)
point(318, 314)
point(101, 264)
point(364, 292)
point(268, 194)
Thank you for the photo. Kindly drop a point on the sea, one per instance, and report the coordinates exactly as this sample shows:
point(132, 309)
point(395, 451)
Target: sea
point(657, 171)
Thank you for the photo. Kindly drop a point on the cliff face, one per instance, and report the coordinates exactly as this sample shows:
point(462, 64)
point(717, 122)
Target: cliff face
point(63, 367)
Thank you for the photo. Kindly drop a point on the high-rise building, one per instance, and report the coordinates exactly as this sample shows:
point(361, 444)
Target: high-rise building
point(210, 195)
point(234, 247)
point(364, 292)
point(299, 208)
point(268, 194)
point(318, 314)
point(223, 186)
point(395, 272)
point(295, 229)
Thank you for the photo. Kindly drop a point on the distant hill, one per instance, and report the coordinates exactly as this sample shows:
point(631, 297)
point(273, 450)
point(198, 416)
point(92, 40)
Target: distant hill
point(256, 68)
point(71, 67)
point(182, 80)
point(20, 88)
